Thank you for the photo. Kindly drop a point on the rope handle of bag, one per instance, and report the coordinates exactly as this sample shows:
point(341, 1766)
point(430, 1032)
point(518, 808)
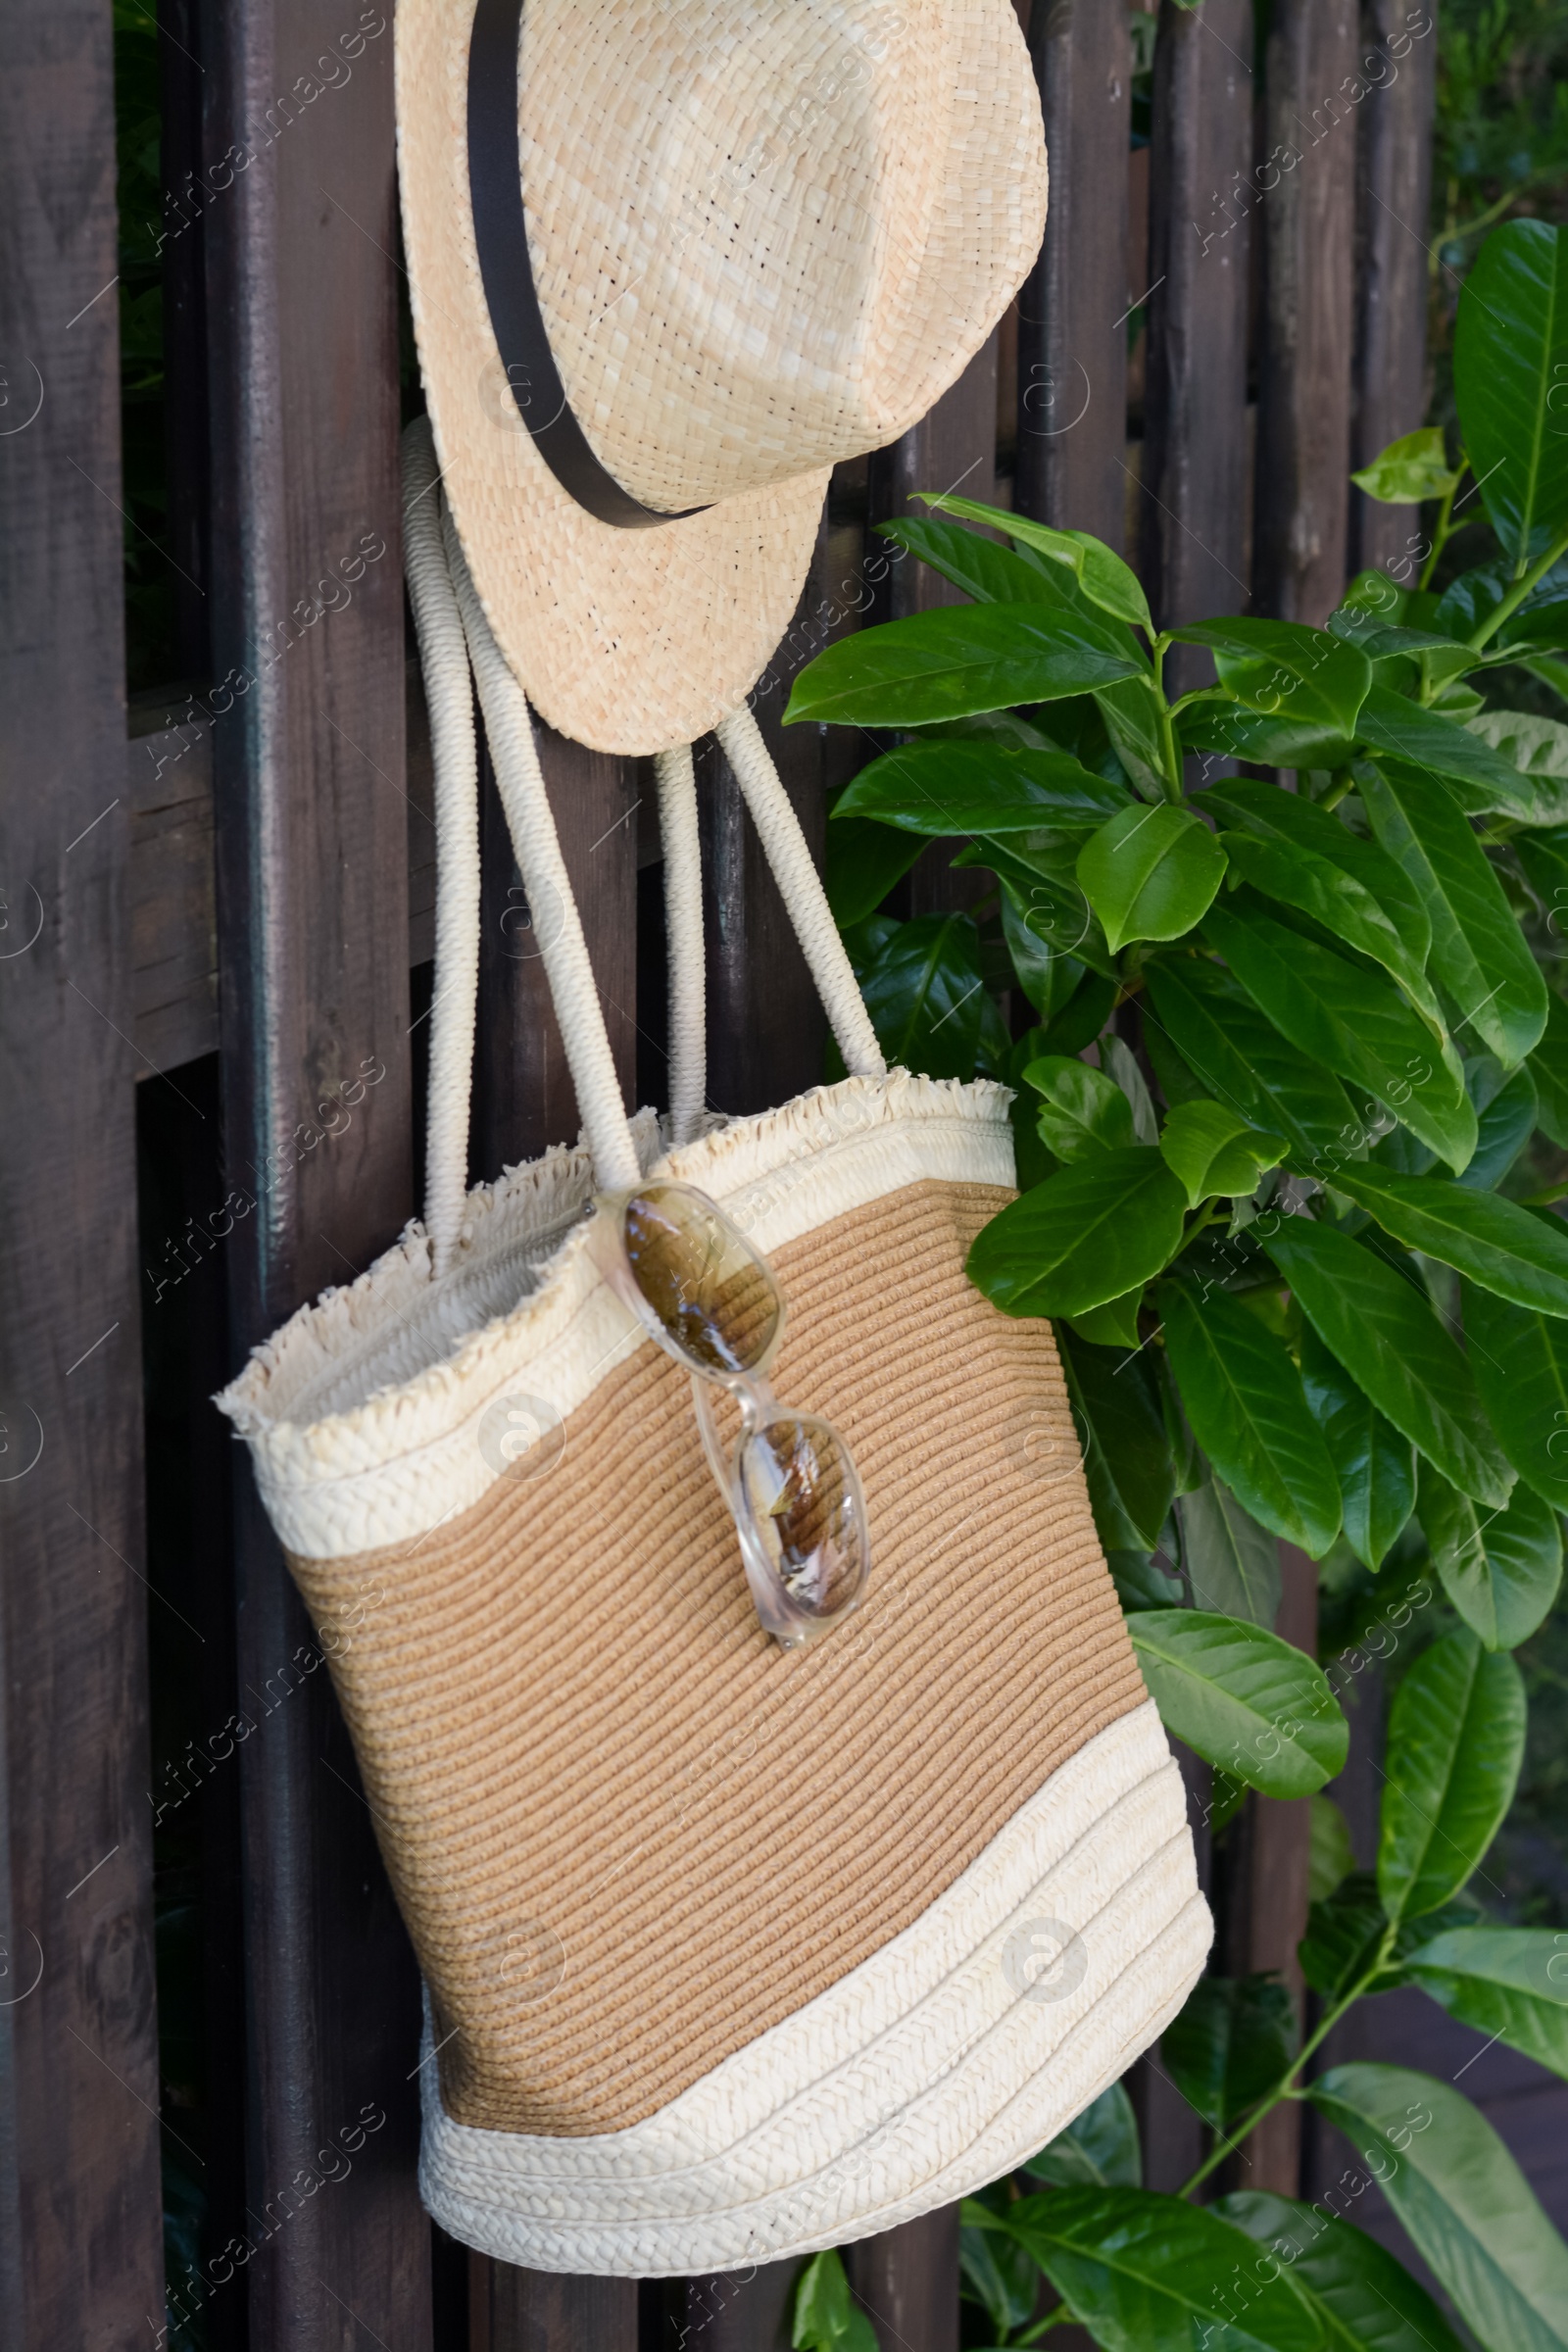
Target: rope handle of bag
point(454, 635)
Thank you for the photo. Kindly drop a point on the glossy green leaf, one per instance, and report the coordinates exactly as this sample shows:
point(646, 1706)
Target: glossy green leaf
point(1215, 1149)
point(1242, 1698)
point(1501, 1569)
point(1150, 874)
point(1084, 1110)
point(1297, 877)
point(1387, 1338)
point(1082, 1236)
point(1520, 1360)
point(945, 788)
point(1505, 1120)
point(1113, 1325)
point(825, 2316)
point(1362, 2299)
point(1045, 975)
point(1510, 1984)
point(1413, 468)
point(1077, 1020)
point(958, 659)
point(1288, 822)
point(1331, 1856)
point(998, 2273)
point(1101, 576)
point(1476, 951)
point(1286, 671)
point(1484, 781)
point(1344, 1934)
point(1232, 1563)
point(1243, 1062)
point(1353, 1019)
point(991, 575)
point(1213, 722)
point(1374, 1464)
point(1457, 1732)
point(1510, 363)
point(1244, 1398)
point(1537, 745)
point(1495, 1241)
point(926, 995)
point(1548, 1069)
point(1119, 1417)
point(1152, 2274)
point(1098, 2149)
point(1131, 721)
point(1462, 2201)
point(1233, 2040)
point(864, 861)
point(1040, 869)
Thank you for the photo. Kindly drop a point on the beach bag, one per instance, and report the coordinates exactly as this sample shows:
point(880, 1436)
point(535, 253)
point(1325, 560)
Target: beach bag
point(759, 1760)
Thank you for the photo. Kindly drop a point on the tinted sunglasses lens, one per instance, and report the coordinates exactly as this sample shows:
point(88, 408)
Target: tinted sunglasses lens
point(803, 1502)
point(710, 1294)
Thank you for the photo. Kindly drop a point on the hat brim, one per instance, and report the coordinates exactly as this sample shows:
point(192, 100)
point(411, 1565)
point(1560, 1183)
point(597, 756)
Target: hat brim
point(629, 641)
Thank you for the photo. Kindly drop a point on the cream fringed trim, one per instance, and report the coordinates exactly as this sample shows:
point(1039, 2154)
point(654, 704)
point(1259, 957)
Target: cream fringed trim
point(937, 2065)
point(362, 1411)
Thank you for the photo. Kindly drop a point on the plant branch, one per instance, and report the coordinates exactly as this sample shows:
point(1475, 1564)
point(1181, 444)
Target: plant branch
point(1287, 2088)
point(1446, 526)
point(1518, 592)
point(1170, 750)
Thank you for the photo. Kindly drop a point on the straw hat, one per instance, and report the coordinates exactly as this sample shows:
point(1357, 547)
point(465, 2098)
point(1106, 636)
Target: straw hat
point(763, 235)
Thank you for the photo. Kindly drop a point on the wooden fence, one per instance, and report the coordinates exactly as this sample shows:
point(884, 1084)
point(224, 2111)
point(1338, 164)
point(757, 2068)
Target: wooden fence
point(216, 926)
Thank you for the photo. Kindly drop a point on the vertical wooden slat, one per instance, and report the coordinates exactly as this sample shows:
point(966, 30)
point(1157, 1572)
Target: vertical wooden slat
point(907, 2282)
point(523, 1098)
point(1201, 203)
point(1072, 332)
point(544, 2310)
point(953, 449)
point(1308, 218)
point(1394, 198)
point(80, 2261)
point(313, 916)
point(732, 2311)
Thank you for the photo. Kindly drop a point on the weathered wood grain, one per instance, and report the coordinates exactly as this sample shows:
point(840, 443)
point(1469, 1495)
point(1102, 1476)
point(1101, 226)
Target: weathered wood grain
point(1307, 178)
point(307, 643)
point(80, 2253)
point(1072, 335)
point(1394, 197)
point(906, 2281)
point(1203, 199)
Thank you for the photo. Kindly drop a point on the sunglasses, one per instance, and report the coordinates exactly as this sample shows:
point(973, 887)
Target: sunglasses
point(713, 1303)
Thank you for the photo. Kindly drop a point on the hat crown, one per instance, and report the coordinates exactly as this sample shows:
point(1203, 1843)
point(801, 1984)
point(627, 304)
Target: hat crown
point(743, 225)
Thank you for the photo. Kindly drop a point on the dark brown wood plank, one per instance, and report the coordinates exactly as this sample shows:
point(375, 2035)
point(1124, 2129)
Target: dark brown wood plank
point(907, 2282)
point(1072, 336)
point(543, 2311)
point(308, 743)
point(1309, 229)
point(80, 2253)
point(1202, 204)
point(173, 930)
point(1394, 199)
point(728, 2310)
point(522, 1093)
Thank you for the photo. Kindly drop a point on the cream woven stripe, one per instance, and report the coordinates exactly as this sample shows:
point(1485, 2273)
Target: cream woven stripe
point(683, 926)
point(800, 887)
point(361, 1411)
point(924, 2073)
point(448, 698)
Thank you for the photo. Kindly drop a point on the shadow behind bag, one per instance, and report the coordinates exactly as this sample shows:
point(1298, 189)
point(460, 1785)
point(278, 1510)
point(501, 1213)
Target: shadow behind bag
point(731, 1950)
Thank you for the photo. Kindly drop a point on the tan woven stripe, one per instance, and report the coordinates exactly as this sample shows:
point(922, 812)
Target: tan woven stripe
point(627, 1831)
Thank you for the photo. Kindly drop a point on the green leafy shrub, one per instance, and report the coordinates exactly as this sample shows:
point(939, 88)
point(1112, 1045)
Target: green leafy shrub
point(1293, 1226)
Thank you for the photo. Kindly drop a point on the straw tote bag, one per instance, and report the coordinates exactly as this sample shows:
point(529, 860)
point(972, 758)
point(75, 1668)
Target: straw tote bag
point(732, 1949)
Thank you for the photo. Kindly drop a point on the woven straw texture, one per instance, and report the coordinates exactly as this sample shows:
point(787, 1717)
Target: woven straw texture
point(629, 1834)
point(940, 2063)
point(767, 236)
